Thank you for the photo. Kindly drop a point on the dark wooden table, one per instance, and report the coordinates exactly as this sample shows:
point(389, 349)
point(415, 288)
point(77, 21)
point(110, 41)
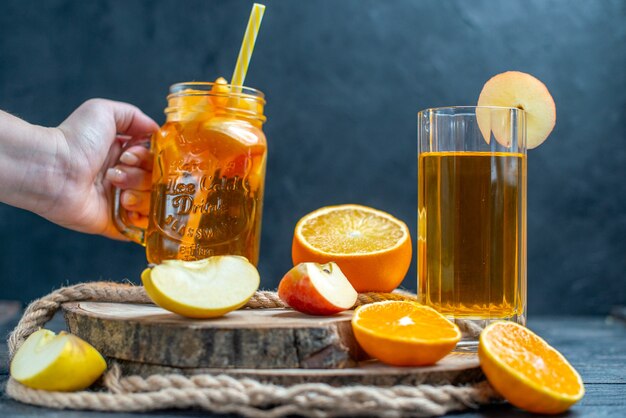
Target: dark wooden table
point(595, 346)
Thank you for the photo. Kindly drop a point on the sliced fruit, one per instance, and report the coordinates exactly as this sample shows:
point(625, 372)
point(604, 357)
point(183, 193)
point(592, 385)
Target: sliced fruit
point(372, 248)
point(62, 362)
point(238, 136)
point(220, 92)
point(526, 370)
point(205, 288)
point(317, 289)
point(199, 105)
point(519, 90)
point(403, 333)
point(246, 104)
point(192, 105)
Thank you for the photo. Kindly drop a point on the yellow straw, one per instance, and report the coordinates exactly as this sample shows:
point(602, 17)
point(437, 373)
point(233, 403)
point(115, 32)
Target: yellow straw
point(247, 46)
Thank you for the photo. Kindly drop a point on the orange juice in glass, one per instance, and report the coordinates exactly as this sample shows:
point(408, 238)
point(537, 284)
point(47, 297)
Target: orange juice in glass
point(472, 213)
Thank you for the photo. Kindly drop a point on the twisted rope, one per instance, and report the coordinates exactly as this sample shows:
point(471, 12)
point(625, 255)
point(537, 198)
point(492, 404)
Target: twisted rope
point(42, 310)
point(226, 394)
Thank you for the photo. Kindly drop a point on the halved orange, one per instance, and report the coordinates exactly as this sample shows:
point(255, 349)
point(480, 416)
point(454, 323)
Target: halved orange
point(526, 370)
point(372, 248)
point(403, 333)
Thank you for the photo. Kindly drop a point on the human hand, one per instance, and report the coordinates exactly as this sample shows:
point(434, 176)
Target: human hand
point(90, 137)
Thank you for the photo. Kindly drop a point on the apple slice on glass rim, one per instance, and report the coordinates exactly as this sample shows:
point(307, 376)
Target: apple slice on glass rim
point(514, 89)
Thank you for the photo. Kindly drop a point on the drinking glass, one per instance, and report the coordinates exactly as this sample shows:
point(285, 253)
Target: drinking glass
point(472, 215)
point(208, 176)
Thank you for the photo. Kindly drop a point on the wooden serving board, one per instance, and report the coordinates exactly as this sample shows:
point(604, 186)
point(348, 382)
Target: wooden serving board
point(273, 345)
point(455, 369)
point(251, 338)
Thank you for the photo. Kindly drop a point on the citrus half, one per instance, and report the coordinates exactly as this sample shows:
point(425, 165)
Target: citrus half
point(372, 248)
point(404, 333)
point(526, 370)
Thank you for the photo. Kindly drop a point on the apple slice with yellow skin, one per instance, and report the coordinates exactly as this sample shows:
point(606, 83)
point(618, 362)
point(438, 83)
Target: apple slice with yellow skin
point(522, 91)
point(206, 288)
point(317, 289)
point(62, 362)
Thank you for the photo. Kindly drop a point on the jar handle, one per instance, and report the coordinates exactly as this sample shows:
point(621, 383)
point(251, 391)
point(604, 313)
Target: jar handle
point(119, 214)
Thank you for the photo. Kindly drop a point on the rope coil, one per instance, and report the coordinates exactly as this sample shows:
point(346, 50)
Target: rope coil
point(226, 394)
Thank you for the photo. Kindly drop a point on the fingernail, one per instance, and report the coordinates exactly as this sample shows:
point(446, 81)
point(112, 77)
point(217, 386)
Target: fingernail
point(129, 158)
point(115, 175)
point(129, 199)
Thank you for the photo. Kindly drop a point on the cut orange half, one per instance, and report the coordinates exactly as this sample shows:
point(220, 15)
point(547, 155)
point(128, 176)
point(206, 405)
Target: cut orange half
point(372, 248)
point(403, 333)
point(526, 370)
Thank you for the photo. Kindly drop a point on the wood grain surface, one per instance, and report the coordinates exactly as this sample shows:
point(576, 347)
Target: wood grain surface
point(456, 368)
point(250, 339)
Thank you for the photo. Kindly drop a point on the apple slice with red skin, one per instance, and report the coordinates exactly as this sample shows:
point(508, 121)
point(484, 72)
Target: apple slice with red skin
point(317, 289)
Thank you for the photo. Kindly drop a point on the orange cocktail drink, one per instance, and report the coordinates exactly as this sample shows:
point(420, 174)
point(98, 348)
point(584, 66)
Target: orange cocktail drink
point(208, 177)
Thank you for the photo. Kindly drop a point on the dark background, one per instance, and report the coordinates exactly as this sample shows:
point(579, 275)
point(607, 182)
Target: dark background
point(344, 80)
